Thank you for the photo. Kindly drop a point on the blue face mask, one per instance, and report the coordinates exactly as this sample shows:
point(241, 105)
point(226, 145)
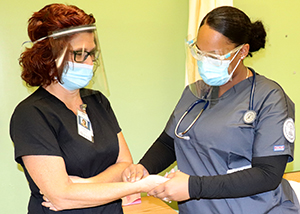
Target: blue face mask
point(213, 72)
point(76, 76)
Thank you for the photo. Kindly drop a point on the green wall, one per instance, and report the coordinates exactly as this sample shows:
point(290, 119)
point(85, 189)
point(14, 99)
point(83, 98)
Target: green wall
point(143, 49)
point(142, 43)
point(279, 60)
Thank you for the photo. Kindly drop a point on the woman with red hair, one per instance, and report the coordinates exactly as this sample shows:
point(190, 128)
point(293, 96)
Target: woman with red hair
point(69, 166)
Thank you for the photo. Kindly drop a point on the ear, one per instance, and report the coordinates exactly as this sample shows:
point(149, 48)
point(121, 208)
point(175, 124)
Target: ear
point(244, 51)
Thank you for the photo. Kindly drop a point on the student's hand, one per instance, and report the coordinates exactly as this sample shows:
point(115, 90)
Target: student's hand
point(175, 189)
point(134, 172)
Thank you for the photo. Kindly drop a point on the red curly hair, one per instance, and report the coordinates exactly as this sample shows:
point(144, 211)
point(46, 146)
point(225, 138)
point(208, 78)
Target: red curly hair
point(38, 63)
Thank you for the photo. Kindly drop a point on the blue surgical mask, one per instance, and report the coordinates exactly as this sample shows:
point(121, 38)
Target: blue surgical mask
point(215, 73)
point(76, 76)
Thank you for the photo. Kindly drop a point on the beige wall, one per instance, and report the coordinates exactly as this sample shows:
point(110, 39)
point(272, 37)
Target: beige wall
point(143, 49)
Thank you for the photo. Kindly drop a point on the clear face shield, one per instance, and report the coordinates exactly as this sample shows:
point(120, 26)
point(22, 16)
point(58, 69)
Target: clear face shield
point(196, 85)
point(79, 44)
point(207, 71)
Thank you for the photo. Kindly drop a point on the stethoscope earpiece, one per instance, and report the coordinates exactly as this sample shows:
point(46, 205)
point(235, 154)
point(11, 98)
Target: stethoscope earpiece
point(184, 137)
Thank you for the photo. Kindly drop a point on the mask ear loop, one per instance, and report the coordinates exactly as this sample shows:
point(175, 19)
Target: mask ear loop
point(236, 63)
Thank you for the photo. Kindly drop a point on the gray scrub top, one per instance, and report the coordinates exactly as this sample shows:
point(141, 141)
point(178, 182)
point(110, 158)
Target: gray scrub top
point(220, 143)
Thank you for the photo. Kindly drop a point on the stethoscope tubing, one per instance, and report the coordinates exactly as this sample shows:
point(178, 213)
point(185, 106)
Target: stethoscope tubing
point(251, 99)
point(250, 110)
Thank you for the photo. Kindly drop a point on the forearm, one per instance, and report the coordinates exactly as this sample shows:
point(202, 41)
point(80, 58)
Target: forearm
point(111, 174)
point(49, 174)
point(79, 195)
point(265, 175)
point(160, 155)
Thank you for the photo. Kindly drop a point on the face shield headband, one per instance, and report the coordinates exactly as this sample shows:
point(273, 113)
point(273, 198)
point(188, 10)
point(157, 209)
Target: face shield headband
point(78, 44)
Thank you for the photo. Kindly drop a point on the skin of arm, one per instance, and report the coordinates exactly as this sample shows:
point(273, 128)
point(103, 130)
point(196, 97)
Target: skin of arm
point(49, 174)
point(68, 192)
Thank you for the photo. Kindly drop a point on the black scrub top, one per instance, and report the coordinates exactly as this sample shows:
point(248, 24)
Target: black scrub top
point(42, 125)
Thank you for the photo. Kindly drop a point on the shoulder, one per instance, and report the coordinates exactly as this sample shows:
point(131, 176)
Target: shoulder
point(29, 115)
point(269, 92)
point(33, 101)
point(267, 87)
point(266, 83)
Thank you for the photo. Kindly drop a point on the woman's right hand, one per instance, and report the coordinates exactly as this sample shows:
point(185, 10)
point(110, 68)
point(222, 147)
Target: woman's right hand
point(134, 172)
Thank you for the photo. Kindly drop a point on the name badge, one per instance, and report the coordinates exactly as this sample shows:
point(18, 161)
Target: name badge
point(84, 126)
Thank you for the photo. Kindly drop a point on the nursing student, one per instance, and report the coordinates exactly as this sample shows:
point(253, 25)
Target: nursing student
point(232, 131)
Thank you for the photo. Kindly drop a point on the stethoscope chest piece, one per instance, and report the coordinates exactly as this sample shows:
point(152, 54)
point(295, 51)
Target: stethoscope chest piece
point(249, 116)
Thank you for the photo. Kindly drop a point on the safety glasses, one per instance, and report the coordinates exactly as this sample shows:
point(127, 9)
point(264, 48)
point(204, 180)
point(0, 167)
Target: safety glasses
point(214, 59)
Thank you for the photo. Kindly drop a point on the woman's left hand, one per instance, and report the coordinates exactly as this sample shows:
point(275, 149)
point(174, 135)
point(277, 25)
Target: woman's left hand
point(47, 203)
point(175, 189)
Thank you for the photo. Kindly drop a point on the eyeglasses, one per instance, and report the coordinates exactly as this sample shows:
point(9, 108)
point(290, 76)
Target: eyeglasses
point(81, 56)
point(214, 59)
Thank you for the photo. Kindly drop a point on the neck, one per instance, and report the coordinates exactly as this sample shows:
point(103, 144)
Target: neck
point(249, 73)
point(239, 75)
point(71, 99)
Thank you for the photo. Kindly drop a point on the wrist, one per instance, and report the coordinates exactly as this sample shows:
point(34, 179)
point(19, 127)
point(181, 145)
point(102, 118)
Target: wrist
point(194, 187)
point(140, 186)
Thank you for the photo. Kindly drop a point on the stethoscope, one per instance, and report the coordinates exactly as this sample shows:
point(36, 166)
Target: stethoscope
point(248, 118)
